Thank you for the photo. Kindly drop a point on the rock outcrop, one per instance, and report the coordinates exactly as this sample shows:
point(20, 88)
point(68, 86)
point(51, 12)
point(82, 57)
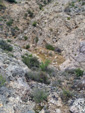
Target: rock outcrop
point(51, 33)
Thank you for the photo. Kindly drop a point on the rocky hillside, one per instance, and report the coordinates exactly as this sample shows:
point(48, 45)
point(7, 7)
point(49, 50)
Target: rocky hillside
point(42, 56)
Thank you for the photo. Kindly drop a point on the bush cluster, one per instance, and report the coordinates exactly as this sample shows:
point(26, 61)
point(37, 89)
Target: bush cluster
point(66, 94)
point(1, 3)
point(44, 66)
point(38, 76)
point(5, 46)
point(34, 24)
point(10, 22)
point(25, 37)
point(31, 14)
point(2, 81)
point(27, 46)
point(39, 95)
point(50, 47)
point(12, 1)
point(79, 72)
point(30, 61)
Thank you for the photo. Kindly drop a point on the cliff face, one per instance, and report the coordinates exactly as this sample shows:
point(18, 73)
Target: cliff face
point(52, 31)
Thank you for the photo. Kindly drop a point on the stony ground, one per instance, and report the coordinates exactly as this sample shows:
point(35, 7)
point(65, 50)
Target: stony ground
point(28, 26)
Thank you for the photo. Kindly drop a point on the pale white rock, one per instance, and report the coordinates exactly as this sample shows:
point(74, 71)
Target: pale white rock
point(78, 106)
point(58, 111)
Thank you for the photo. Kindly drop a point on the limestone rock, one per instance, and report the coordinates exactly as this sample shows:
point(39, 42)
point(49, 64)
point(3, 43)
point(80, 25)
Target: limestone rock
point(78, 106)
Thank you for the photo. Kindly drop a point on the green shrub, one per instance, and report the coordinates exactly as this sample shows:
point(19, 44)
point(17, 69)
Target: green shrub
point(2, 4)
point(83, 3)
point(30, 13)
point(36, 39)
point(1, 19)
point(45, 2)
point(49, 1)
point(72, 4)
point(9, 40)
point(66, 94)
point(44, 66)
point(5, 46)
point(34, 24)
point(10, 54)
point(50, 47)
point(68, 18)
point(39, 95)
point(30, 61)
point(10, 22)
point(2, 81)
point(12, 1)
point(43, 77)
point(38, 76)
point(27, 46)
point(25, 37)
point(25, 15)
point(79, 72)
point(40, 6)
point(16, 28)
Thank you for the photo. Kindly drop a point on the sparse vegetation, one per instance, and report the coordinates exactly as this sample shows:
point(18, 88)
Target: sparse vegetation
point(1, 4)
point(30, 61)
point(83, 3)
point(72, 4)
point(10, 54)
point(43, 66)
point(40, 6)
point(50, 47)
point(30, 13)
point(38, 76)
point(10, 22)
point(36, 39)
point(25, 15)
point(2, 81)
point(68, 18)
point(1, 19)
point(25, 37)
point(43, 3)
point(39, 95)
point(14, 37)
point(66, 94)
point(46, 78)
point(49, 1)
point(34, 24)
point(9, 40)
point(5, 46)
point(16, 28)
point(12, 1)
point(79, 0)
point(27, 46)
point(79, 72)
